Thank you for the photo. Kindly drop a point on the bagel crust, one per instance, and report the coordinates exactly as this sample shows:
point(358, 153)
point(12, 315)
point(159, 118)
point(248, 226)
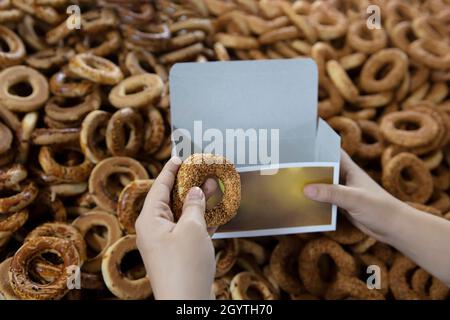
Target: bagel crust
point(194, 171)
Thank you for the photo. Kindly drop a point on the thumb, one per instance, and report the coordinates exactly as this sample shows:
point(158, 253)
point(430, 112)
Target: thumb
point(347, 198)
point(194, 208)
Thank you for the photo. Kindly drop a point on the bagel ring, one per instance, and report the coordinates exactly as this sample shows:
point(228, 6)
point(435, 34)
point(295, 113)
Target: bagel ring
point(93, 132)
point(98, 179)
point(420, 176)
point(284, 265)
point(16, 49)
point(136, 91)
point(349, 131)
point(131, 201)
point(19, 278)
point(118, 283)
point(23, 101)
point(90, 220)
point(96, 69)
point(116, 133)
point(62, 231)
point(309, 259)
point(242, 282)
point(427, 131)
point(22, 198)
point(227, 251)
point(65, 84)
point(72, 110)
point(395, 57)
point(67, 172)
point(194, 171)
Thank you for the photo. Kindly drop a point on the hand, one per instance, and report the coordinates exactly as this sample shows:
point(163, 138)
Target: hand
point(369, 207)
point(179, 257)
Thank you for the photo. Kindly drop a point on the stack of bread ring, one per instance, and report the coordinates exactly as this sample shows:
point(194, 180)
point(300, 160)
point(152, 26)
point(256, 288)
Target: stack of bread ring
point(84, 130)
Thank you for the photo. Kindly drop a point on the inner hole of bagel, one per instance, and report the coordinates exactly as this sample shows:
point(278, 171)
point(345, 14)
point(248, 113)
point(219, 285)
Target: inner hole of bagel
point(93, 63)
point(407, 174)
point(146, 66)
point(115, 184)
point(254, 293)
point(323, 93)
point(95, 240)
point(407, 125)
point(127, 129)
point(384, 70)
point(365, 33)
point(21, 89)
point(428, 284)
point(132, 265)
point(68, 157)
point(410, 35)
point(138, 87)
point(52, 257)
point(70, 102)
point(338, 43)
point(368, 138)
point(217, 196)
point(327, 268)
point(4, 47)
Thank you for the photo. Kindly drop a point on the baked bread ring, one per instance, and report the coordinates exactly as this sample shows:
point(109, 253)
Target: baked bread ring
point(62, 231)
point(78, 172)
point(20, 199)
point(349, 131)
point(99, 177)
point(368, 78)
point(131, 201)
point(124, 121)
point(45, 136)
point(154, 130)
point(346, 287)
point(390, 127)
point(227, 251)
point(6, 291)
point(15, 52)
point(65, 84)
point(14, 221)
point(284, 265)
point(90, 220)
point(118, 283)
point(22, 100)
point(7, 138)
point(12, 175)
point(309, 260)
point(92, 134)
point(72, 110)
point(96, 69)
point(137, 91)
point(420, 183)
point(19, 278)
point(242, 282)
point(194, 171)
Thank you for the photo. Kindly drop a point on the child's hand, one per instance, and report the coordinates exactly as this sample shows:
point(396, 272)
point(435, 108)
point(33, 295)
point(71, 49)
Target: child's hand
point(178, 257)
point(369, 206)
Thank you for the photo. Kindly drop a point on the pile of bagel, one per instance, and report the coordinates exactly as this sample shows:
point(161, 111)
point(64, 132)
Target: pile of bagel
point(85, 128)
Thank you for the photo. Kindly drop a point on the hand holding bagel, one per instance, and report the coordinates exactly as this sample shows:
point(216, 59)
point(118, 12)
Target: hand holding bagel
point(179, 257)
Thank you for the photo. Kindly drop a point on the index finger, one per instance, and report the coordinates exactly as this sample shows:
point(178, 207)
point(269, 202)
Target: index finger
point(159, 193)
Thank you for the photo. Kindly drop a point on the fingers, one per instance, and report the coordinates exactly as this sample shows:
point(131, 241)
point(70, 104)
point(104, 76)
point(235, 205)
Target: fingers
point(344, 197)
point(158, 198)
point(210, 187)
point(193, 209)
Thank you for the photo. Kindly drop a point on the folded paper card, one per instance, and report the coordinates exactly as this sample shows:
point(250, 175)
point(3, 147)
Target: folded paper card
point(262, 116)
